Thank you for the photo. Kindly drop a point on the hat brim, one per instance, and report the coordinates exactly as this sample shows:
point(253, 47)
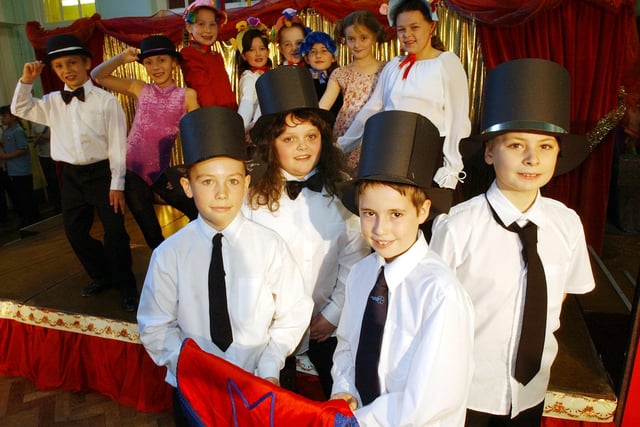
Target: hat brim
point(574, 149)
point(441, 198)
point(156, 52)
point(259, 125)
point(59, 54)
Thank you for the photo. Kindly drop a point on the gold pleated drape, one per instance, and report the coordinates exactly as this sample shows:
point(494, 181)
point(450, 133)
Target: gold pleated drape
point(458, 35)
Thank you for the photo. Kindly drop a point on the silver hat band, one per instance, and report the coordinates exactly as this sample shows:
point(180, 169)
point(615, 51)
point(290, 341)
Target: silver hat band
point(65, 49)
point(521, 125)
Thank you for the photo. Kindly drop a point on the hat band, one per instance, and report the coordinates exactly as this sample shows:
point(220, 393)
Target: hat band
point(65, 49)
point(157, 49)
point(520, 125)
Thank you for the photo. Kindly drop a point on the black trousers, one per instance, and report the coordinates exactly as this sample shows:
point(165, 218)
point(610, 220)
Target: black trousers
point(50, 172)
point(531, 417)
point(140, 199)
point(85, 191)
point(21, 193)
point(321, 355)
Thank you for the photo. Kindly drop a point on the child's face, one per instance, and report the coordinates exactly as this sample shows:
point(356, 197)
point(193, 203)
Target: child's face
point(389, 220)
point(289, 44)
point(360, 41)
point(414, 31)
point(319, 57)
point(523, 162)
point(160, 69)
point(205, 29)
point(73, 70)
point(217, 187)
point(258, 54)
point(298, 147)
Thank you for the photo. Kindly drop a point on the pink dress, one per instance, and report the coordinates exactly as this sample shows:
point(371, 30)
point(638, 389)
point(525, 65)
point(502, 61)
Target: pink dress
point(154, 130)
point(356, 88)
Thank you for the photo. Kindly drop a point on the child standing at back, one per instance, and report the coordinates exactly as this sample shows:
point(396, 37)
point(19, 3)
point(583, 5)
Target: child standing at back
point(296, 197)
point(319, 51)
point(252, 57)
point(202, 68)
point(289, 33)
point(356, 80)
point(427, 80)
point(515, 252)
point(155, 126)
point(88, 133)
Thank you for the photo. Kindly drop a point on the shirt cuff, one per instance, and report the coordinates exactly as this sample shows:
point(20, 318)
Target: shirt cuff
point(448, 178)
point(117, 184)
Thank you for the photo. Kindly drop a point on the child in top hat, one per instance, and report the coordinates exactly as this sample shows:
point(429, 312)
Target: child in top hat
point(88, 134)
point(150, 140)
point(266, 307)
point(203, 68)
point(320, 53)
point(525, 124)
point(296, 197)
point(404, 344)
point(428, 80)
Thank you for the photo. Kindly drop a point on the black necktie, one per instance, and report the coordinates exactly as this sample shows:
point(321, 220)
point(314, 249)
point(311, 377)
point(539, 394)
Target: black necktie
point(67, 95)
point(219, 323)
point(534, 315)
point(294, 187)
point(368, 355)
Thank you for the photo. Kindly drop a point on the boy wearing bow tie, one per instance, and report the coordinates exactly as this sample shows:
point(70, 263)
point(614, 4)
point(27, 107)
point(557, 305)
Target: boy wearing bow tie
point(88, 134)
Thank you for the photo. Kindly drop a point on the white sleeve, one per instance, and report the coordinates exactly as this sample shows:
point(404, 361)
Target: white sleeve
point(458, 125)
point(117, 139)
point(292, 312)
point(248, 97)
point(25, 106)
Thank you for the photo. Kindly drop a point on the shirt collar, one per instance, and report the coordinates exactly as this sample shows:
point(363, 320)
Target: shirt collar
point(396, 271)
point(88, 86)
point(230, 232)
point(288, 177)
point(509, 214)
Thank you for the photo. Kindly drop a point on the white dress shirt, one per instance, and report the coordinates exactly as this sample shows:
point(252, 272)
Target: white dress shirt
point(325, 240)
point(82, 133)
point(425, 365)
point(248, 106)
point(487, 259)
point(268, 309)
point(435, 88)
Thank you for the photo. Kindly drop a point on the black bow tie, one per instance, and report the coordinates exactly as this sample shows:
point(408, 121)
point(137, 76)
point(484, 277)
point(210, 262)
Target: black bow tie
point(68, 95)
point(294, 187)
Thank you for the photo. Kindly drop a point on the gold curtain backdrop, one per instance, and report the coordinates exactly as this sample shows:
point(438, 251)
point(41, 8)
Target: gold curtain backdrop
point(457, 33)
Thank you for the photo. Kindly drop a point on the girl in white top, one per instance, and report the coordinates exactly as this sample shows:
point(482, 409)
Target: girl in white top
point(252, 45)
point(427, 81)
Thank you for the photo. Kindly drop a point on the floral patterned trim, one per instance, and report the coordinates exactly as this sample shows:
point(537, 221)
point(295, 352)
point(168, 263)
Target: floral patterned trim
point(577, 407)
point(77, 323)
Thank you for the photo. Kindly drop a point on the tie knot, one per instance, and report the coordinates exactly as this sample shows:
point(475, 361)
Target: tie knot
point(314, 183)
point(217, 239)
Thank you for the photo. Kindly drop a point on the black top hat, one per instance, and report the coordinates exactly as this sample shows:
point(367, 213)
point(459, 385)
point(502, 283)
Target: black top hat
point(402, 148)
point(212, 132)
point(283, 89)
point(157, 45)
point(528, 95)
point(64, 45)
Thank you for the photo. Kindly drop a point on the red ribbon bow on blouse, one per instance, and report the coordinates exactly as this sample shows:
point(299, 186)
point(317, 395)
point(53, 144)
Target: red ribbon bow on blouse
point(263, 68)
point(408, 61)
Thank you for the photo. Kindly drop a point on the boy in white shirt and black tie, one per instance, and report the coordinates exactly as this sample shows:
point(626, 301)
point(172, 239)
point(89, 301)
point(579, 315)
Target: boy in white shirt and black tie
point(517, 287)
point(403, 354)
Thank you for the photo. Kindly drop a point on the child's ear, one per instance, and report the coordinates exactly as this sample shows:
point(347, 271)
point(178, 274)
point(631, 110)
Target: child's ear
point(247, 182)
point(87, 63)
point(423, 211)
point(488, 152)
point(186, 186)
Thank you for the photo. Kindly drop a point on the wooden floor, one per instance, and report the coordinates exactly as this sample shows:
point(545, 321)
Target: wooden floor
point(40, 269)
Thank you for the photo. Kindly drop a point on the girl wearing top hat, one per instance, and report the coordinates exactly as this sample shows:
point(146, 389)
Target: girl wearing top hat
point(296, 197)
point(150, 140)
point(427, 80)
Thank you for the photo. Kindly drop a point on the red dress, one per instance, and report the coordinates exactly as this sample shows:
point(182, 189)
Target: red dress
point(203, 70)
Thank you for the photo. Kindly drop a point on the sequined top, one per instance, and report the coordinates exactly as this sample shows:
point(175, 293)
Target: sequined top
point(154, 130)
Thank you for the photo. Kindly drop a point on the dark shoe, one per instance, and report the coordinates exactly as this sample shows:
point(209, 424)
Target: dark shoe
point(94, 288)
point(130, 303)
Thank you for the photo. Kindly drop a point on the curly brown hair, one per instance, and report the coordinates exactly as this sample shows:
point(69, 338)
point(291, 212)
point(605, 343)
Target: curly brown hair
point(331, 164)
